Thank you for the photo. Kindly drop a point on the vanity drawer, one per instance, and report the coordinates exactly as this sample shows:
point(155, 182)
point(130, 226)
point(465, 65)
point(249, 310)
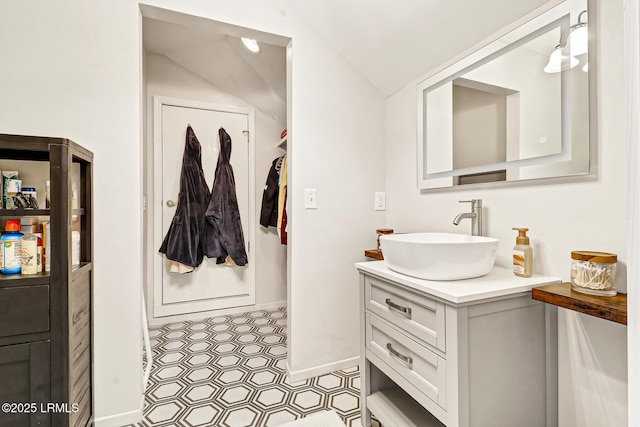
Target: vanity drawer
point(417, 314)
point(418, 365)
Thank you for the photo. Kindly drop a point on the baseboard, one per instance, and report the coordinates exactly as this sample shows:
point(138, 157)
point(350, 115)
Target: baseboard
point(316, 371)
point(158, 321)
point(120, 420)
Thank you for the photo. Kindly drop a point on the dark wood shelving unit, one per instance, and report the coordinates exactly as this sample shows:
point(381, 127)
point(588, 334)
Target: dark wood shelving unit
point(613, 308)
point(46, 342)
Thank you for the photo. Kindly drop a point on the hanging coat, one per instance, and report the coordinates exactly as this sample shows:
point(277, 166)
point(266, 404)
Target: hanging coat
point(269, 210)
point(223, 213)
point(282, 202)
point(190, 237)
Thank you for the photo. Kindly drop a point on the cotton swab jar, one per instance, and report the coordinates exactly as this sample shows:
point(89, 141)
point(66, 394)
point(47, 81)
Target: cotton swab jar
point(593, 272)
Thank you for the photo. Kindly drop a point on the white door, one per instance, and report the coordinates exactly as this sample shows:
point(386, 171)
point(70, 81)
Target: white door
point(210, 286)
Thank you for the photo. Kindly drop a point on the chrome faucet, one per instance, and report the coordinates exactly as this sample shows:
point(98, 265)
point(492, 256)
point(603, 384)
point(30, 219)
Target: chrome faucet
point(475, 215)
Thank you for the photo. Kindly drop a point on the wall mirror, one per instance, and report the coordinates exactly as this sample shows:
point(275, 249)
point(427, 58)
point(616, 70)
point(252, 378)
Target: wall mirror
point(522, 107)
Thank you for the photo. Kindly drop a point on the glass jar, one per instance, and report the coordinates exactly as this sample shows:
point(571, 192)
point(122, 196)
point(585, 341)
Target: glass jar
point(593, 272)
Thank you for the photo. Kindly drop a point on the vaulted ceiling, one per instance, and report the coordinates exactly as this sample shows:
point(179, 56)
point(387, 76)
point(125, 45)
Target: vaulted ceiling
point(395, 42)
point(222, 60)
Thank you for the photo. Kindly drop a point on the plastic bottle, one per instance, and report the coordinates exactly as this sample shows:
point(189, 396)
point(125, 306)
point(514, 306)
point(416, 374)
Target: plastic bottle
point(11, 252)
point(29, 254)
point(522, 254)
point(40, 254)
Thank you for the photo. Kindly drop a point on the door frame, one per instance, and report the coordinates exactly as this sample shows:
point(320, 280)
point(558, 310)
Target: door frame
point(197, 309)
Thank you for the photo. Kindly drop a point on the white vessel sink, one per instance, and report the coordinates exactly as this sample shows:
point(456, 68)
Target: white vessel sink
point(439, 256)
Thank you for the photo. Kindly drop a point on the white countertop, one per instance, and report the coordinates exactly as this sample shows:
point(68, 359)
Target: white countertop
point(499, 282)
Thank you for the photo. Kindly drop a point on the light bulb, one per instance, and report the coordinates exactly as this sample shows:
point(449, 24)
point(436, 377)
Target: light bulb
point(578, 41)
point(559, 62)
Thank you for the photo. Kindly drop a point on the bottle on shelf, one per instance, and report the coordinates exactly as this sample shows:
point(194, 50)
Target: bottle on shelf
point(29, 254)
point(11, 251)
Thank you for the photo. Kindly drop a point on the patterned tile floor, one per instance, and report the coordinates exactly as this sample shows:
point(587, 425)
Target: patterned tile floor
point(229, 371)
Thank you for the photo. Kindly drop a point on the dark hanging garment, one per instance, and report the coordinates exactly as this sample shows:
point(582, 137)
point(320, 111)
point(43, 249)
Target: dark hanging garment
point(189, 236)
point(269, 210)
point(283, 225)
point(223, 213)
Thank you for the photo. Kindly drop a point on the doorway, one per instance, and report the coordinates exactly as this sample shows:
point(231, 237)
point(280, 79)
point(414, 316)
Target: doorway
point(203, 63)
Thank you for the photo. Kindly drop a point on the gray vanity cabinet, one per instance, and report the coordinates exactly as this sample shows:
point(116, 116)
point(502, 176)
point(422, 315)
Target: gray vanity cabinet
point(457, 354)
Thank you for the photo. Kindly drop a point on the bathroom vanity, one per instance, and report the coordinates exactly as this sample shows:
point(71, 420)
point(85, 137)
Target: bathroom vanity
point(475, 352)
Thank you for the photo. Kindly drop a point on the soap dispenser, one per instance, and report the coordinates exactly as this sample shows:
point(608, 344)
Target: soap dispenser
point(522, 254)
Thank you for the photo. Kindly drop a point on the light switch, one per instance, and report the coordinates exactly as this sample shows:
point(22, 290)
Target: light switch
point(310, 198)
point(380, 201)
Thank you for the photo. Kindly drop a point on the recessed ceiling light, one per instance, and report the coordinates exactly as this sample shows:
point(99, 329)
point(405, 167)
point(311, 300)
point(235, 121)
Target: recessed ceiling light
point(251, 44)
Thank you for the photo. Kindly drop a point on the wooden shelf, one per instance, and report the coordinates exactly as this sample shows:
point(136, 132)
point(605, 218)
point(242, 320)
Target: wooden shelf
point(25, 212)
point(374, 253)
point(34, 212)
point(11, 280)
point(609, 308)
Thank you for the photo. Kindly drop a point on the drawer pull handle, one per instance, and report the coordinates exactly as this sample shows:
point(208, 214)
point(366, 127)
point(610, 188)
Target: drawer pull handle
point(406, 310)
point(407, 359)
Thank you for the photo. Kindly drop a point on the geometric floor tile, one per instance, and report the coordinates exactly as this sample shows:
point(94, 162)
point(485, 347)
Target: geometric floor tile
point(229, 371)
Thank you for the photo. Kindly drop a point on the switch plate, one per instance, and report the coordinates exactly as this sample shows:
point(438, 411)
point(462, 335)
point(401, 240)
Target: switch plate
point(380, 201)
point(310, 198)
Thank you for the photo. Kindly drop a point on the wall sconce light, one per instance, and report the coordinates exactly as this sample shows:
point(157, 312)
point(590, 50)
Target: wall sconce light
point(564, 55)
point(559, 62)
point(578, 42)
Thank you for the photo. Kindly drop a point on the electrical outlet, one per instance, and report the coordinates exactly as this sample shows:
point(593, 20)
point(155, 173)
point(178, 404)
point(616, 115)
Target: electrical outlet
point(310, 198)
point(380, 201)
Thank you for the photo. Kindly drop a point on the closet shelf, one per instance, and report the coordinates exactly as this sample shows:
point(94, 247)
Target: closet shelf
point(283, 143)
point(609, 308)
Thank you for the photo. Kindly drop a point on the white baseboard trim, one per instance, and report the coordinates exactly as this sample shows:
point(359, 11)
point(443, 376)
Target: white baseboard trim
point(120, 420)
point(305, 374)
point(157, 321)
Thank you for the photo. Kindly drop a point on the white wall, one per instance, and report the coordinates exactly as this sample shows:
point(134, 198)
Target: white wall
point(67, 72)
point(561, 217)
point(166, 78)
point(73, 69)
point(337, 147)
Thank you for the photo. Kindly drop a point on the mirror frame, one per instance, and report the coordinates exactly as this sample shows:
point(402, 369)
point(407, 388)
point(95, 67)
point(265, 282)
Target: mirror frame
point(542, 17)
